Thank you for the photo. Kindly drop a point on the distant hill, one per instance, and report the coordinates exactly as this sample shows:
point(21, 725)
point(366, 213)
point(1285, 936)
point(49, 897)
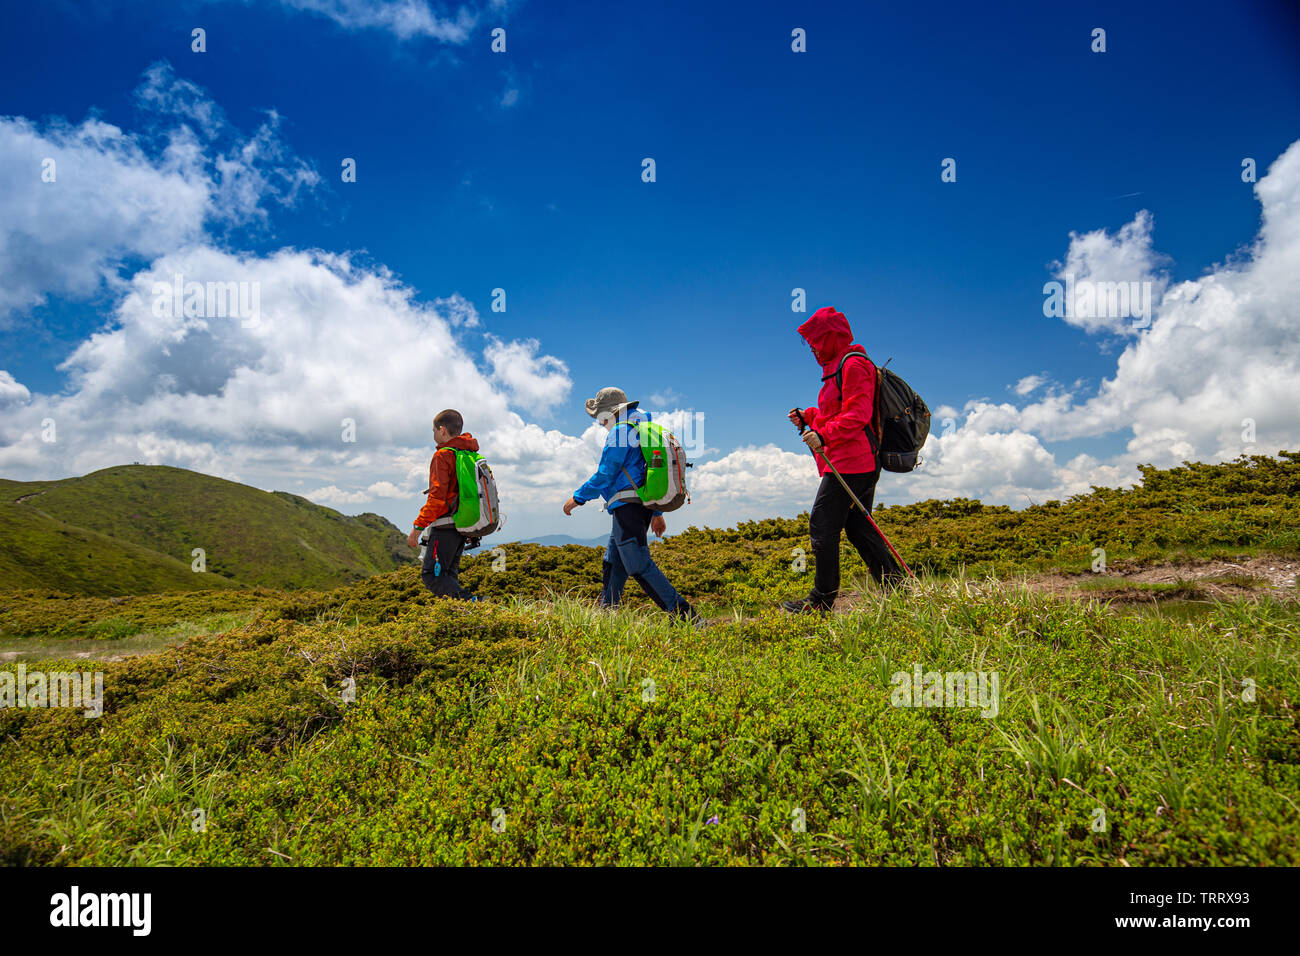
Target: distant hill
point(132, 529)
point(559, 540)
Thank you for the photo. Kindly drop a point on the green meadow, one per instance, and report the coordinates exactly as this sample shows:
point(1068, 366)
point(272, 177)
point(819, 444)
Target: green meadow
point(370, 724)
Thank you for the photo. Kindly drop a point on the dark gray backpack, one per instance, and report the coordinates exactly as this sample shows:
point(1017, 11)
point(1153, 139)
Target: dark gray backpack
point(900, 421)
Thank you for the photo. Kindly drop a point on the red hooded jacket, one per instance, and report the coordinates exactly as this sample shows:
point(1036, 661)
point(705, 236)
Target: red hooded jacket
point(841, 419)
point(443, 491)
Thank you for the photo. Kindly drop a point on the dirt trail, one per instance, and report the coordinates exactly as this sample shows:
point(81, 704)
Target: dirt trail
point(1132, 584)
point(1220, 580)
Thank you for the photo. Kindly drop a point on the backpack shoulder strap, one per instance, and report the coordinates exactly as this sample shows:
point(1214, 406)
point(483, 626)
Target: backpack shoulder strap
point(873, 428)
point(838, 374)
point(623, 467)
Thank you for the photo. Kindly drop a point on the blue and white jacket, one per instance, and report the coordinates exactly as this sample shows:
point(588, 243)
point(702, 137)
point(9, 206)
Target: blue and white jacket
point(621, 453)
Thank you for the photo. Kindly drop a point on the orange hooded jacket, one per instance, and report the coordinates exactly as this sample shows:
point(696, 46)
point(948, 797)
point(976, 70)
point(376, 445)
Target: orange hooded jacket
point(443, 491)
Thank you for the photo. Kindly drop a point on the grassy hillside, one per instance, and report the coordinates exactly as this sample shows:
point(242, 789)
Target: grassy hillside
point(373, 724)
point(132, 529)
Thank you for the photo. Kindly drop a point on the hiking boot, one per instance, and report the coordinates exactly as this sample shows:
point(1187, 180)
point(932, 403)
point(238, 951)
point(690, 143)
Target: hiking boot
point(688, 614)
point(808, 605)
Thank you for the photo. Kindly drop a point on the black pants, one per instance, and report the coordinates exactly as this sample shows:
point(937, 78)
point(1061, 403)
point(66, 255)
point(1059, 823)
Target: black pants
point(834, 511)
point(441, 570)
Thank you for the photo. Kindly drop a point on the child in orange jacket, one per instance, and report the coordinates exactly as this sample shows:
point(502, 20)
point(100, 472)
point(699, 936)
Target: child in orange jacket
point(441, 570)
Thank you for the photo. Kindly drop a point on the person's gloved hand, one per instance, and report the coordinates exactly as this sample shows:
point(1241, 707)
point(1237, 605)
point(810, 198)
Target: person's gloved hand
point(813, 440)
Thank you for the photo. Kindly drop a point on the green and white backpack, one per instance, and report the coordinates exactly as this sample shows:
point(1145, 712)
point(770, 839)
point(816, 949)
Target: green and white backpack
point(478, 513)
point(664, 488)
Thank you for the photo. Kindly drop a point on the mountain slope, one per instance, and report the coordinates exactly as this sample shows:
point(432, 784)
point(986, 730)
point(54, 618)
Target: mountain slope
point(133, 528)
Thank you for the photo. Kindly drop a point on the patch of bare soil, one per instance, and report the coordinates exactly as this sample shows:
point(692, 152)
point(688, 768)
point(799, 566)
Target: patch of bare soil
point(10, 656)
point(1196, 580)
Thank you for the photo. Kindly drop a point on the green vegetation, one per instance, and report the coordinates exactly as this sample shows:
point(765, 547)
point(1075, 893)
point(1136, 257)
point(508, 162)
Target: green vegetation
point(1197, 511)
point(132, 529)
point(371, 724)
point(542, 710)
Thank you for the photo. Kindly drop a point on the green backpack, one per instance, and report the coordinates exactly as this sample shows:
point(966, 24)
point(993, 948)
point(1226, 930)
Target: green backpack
point(665, 467)
point(477, 513)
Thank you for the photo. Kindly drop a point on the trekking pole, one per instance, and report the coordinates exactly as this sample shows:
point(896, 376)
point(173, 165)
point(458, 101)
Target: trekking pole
point(802, 426)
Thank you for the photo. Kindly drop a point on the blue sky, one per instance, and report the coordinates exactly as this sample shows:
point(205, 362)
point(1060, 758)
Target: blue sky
point(775, 170)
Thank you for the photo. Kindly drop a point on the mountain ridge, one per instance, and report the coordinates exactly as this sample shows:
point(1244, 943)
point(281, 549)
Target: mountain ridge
point(144, 526)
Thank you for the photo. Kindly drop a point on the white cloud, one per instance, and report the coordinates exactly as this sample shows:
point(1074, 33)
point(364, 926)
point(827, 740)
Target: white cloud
point(12, 392)
point(537, 381)
point(1030, 383)
point(749, 483)
point(510, 95)
point(689, 427)
point(336, 497)
point(405, 19)
point(516, 89)
point(1005, 467)
point(458, 310)
point(1221, 350)
point(1095, 261)
point(267, 404)
point(118, 196)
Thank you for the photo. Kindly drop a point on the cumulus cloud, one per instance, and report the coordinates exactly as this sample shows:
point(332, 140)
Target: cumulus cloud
point(1221, 353)
point(1010, 467)
point(749, 483)
point(336, 497)
point(296, 391)
point(117, 197)
point(458, 310)
point(536, 381)
point(12, 392)
point(1107, 283)
point(305, 392)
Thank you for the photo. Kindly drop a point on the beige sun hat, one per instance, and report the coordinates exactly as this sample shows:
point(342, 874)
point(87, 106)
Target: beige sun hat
point(609, 401)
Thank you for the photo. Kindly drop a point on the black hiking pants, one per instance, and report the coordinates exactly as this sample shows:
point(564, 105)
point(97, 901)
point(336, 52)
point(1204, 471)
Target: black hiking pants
point(441, 569)
point(834, 511)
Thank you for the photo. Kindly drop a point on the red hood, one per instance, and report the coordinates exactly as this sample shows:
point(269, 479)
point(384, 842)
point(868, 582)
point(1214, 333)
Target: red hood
point(464, 441)
point(829, 335)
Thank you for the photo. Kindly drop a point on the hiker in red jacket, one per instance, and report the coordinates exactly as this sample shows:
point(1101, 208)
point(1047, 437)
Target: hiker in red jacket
point(837, 426)
point(440, 571)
